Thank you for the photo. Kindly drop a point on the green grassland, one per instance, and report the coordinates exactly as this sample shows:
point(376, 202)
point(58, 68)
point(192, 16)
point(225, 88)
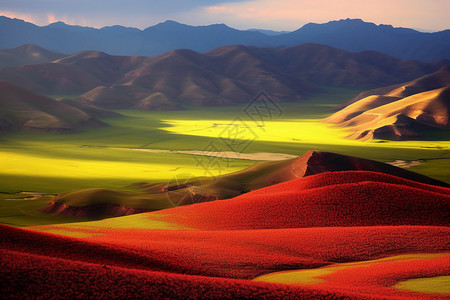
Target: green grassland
point(17, 210)
point(101, 157)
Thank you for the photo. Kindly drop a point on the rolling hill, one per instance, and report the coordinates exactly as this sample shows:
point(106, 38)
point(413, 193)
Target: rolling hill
point(23, 109)
point(416, 109)
point(354, 198)
point(356, 235)
point(226, 75)
point(26, 55)
point(98, 203)
point(350, 34)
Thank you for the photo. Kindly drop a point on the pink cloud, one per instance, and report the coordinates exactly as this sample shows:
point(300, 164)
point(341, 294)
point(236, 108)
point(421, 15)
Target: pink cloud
point(291, 14)
point(220, 9)
point(13, 15)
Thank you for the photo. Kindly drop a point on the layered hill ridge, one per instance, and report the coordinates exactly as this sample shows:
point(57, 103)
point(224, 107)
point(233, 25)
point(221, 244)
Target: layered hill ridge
point(94, 203)
point(350, 34)
point(23, 109)
point(227, 75)
point(411, 110)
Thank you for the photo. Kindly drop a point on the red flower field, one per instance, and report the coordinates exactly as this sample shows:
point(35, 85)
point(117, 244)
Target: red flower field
point(353, 234)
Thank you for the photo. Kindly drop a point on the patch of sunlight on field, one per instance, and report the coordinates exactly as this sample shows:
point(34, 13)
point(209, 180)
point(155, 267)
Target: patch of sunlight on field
point(313, 276)
point(308, 131)
point(432, 285)
point(91, 228)
point(33, 165)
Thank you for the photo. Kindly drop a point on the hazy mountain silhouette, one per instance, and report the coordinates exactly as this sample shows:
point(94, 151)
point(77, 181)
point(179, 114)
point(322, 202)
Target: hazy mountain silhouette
point(350, 34)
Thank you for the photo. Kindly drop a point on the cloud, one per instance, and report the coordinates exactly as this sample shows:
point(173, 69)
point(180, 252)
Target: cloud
point(110, 6)
point(242, 14)
point(140, 13)
point(291, 14)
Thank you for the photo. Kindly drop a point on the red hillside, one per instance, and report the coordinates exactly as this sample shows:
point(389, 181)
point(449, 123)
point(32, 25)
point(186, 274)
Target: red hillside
point(352, 198)
point(361, 232)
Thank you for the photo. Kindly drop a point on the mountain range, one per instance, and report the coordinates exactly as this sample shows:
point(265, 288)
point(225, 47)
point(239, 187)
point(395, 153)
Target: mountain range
point(352, 35)
point(226, 75)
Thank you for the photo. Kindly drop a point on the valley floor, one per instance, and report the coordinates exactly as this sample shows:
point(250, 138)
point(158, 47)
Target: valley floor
point(202, 142)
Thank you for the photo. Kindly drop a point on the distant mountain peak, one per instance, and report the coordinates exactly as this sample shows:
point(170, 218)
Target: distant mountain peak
point(346, 22)
point(167, 24)
point(29, 47)
point(357, 20)
point(354, 35)
point(219, 25)
point(171, 22)
point(120, 28)
point(175, 24)
point(57, 23)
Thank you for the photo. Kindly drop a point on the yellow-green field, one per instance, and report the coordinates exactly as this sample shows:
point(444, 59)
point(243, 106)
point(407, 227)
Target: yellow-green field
point(332, 274)
point(315, 276)
point(93, 228)
point(295, 131)
point(432, 285)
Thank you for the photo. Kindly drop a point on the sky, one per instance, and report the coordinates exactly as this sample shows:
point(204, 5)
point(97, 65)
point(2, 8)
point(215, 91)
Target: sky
point(429, 15)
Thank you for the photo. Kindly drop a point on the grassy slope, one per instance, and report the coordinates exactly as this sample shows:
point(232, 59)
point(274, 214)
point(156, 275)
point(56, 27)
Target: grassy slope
point(54, 163)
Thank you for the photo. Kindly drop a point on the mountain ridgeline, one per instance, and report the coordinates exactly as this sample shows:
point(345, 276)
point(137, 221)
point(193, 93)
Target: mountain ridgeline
point(351, 35)
point(226, 75)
